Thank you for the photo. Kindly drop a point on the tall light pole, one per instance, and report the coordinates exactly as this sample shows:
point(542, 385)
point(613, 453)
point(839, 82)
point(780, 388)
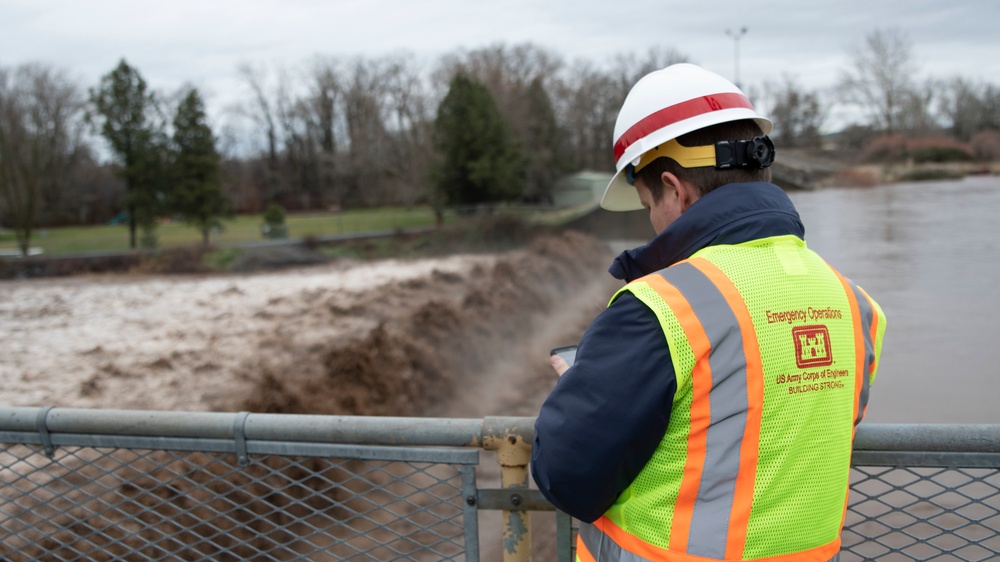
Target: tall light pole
point(737, 35)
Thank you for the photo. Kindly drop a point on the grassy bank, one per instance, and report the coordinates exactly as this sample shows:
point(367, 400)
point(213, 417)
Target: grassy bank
point(244, 228)
point(312, 239)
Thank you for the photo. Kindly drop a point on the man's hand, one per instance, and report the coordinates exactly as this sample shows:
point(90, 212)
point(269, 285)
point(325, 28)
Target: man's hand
point(558, 364)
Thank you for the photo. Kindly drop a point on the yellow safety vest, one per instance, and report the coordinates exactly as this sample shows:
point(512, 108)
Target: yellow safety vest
point(774, 353)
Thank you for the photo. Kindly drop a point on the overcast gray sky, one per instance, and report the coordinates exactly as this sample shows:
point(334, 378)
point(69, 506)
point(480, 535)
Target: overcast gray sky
point(173, 42)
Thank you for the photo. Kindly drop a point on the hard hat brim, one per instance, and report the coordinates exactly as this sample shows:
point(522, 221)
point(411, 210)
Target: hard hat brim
point(620, 196)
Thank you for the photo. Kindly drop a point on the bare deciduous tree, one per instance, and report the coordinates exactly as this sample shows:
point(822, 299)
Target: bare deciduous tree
point(969, 107)
point(880, 77)
point(262, 111)
point(322, 112)
point(587, 102)
point(628, 68)
point(40, 129)
point(505, 71)
point(797, 114)
point(365, 95)
point(410, 124)
point(916, 110)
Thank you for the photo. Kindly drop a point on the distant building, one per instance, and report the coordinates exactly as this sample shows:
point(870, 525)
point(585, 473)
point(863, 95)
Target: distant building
point(581, 188)
point(583, 191)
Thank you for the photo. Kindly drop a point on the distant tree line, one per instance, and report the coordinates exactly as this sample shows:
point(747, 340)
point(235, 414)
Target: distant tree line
point(491, 125)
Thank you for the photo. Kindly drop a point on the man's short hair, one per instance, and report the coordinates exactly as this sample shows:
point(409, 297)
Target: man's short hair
point(706, 178)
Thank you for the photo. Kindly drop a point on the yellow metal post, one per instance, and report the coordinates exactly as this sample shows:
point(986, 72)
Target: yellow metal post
point(513, 454)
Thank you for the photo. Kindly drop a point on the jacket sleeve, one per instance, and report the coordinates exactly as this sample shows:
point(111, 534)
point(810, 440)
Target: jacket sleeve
point(607, 413)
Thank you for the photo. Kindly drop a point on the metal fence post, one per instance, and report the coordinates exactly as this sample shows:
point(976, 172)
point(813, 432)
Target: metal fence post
point(512, 442)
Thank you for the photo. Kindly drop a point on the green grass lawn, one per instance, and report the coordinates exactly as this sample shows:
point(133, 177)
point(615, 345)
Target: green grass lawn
point(243, 228)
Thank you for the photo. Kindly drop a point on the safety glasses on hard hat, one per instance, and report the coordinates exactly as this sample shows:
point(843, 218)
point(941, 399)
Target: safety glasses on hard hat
point(757, 152)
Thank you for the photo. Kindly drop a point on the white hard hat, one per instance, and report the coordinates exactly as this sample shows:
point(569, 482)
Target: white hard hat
point(664, 105)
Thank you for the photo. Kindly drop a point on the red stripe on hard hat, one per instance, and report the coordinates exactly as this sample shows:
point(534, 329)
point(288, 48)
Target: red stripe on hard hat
point(677, 113)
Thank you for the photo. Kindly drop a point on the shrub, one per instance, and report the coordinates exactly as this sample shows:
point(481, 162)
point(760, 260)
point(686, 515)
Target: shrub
point(274, 214)
point(937, 149)
point(274, 222)
point(986, 145)
point(898, 148)
point(856, 177)
point(940, 154)
point(885, 148)
point(220, 260)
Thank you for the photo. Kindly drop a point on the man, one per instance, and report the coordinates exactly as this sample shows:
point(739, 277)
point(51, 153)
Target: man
point(711, 409)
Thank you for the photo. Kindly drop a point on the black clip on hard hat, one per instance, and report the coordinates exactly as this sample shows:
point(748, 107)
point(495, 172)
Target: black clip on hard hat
point(757, 152)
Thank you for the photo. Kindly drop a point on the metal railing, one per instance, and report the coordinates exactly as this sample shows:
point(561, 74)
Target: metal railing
point(924, 492)
point(148, 485)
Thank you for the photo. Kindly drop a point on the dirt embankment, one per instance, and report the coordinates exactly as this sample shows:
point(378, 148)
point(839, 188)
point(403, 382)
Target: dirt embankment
point(448, 344)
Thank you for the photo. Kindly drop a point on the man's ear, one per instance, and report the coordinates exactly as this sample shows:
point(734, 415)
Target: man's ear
point(684, 192)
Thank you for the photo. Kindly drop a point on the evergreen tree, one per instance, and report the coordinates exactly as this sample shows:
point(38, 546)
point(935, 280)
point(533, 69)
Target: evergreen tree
point(196, 190)
point(480, 163)
point(130, 124)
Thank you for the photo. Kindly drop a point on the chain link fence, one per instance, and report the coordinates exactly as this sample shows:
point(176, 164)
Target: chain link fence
point(143, 504)
point(924, 492)
point(129, 485)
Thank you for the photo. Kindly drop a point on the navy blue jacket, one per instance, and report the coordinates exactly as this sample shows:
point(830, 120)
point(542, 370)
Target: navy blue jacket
point(608, 412)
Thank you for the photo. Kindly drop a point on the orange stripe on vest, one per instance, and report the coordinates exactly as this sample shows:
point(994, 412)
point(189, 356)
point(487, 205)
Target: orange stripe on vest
point(651, 552)
point(701, 415)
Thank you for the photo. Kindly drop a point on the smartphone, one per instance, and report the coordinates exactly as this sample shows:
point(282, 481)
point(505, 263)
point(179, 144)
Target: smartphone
point(568, 353)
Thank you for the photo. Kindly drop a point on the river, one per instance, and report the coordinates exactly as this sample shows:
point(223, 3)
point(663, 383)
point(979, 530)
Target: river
point(928, 252)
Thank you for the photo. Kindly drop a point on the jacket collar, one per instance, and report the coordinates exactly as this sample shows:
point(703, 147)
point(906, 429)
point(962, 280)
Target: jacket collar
point(732, 214)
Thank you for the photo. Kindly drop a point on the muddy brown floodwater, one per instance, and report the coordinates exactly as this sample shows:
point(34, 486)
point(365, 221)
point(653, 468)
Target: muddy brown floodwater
point(456, 336)
point(928, 252)
point(463, 335)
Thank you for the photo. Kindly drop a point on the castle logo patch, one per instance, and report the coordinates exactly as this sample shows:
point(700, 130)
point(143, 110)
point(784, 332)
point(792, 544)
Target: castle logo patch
point(812, 346)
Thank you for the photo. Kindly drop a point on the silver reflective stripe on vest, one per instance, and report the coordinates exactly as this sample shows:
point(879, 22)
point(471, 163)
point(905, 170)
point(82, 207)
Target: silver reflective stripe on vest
point(728, 407)
point(867, 317)
point(603, 549)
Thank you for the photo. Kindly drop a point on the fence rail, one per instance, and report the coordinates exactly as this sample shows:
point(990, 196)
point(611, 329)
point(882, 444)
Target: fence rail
point(147, 485)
